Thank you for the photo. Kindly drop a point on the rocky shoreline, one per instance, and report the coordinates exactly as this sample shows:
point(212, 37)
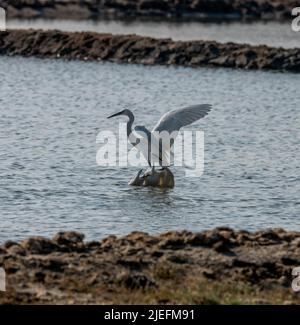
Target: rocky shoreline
point(145, 50)
point(203, 10)
point(214, 266)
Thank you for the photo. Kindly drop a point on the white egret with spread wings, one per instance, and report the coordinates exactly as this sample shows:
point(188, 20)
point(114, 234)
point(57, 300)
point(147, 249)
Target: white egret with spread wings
point(155, 151)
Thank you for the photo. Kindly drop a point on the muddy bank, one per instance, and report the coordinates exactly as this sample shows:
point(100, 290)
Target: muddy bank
point(145, 50)
point(216, 266)
point(155, 9)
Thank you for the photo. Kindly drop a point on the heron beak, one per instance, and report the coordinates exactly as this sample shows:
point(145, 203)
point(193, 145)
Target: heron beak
point(120, 113)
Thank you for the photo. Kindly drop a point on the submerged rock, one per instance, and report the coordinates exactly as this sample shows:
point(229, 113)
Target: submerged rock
point(162, 178)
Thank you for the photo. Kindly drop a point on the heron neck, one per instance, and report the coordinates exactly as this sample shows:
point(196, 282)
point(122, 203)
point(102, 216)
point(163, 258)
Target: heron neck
point(130, 123)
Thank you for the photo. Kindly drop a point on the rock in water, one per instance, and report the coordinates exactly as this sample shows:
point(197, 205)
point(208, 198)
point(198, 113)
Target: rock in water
point(138, 180)
point(162, 178)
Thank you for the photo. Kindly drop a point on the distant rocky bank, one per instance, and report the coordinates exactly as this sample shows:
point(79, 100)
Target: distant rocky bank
point(146, 50)
point(152, 9)
point(214, 266)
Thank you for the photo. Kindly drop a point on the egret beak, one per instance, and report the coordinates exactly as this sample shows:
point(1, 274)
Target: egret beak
point(120, 113)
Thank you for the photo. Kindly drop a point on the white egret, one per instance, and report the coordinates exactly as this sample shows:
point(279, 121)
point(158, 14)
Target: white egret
point(150, 144)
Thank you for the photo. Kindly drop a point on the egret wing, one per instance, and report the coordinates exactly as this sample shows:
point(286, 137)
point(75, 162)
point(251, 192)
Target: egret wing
point(176, 119)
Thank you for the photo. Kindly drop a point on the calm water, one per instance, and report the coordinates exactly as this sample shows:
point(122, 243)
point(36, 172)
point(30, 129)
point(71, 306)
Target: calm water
point(270, 33)
point(51, 112)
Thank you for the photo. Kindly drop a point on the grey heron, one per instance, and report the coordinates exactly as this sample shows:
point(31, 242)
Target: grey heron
point(171, 122)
